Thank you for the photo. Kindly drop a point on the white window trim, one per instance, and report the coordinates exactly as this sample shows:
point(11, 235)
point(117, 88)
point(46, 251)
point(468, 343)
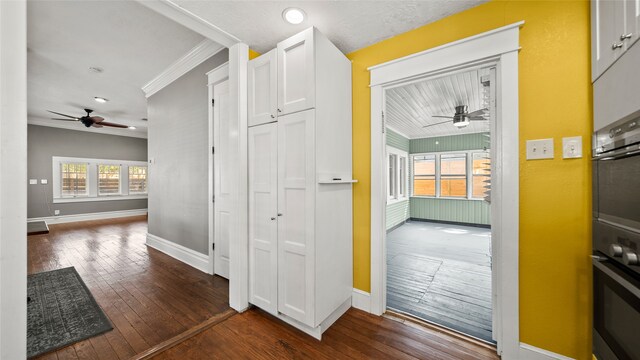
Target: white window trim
point(399, 154)
point(92, 180)
point(469, 174)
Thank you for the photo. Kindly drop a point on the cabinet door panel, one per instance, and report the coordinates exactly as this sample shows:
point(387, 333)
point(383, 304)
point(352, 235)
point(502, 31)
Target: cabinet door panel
point(263, 89)
point(296, 74)
point(607, 24)
point(632, 21)
point(263, 228)
point(296, 196)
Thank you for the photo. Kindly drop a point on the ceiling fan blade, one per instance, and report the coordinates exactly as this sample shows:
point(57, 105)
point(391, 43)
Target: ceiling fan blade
point(96, 125)
point(442, 116)
point(478, 112)
point(96, 119)
point(444, 122)
point(57, 113)
point(477, 118)
point(63, 119)
point(104, 123)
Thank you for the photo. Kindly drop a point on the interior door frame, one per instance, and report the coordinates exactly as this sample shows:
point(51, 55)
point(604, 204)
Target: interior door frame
point(214, 77)
point(499, 47)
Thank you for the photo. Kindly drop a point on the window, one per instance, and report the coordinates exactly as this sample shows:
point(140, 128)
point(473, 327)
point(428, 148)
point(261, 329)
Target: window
point(74, 179)
point(397, 180)
point(463, 175)
point(453, 175)
point(82, 180)
point(108, 180)
point(424, 178)
point(481, 174)
point(137, 179)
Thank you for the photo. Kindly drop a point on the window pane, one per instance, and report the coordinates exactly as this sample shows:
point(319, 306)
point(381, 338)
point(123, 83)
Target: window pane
point(108, 179)
point(424, 175)
point(392, 176)
point(453, 175)
point(137, 179)
point(74, 179)
point(481, 174)
point(403, 177)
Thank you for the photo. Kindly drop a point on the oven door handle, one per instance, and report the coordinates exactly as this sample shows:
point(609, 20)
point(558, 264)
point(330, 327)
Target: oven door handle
point(618, 154)
point(598, 263)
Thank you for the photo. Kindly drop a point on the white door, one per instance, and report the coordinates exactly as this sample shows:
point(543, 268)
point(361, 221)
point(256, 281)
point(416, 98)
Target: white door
point(263, 210)
point(224, 133)
point(296, 196)
point(263, 89)
point(296, 74)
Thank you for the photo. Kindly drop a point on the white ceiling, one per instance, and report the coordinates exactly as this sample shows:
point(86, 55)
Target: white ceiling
point(350, 25)
point(130, 42)
point(410, 107)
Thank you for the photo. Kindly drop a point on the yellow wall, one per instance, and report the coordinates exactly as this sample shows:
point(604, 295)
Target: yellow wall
point(555, 200)
point(253, 54)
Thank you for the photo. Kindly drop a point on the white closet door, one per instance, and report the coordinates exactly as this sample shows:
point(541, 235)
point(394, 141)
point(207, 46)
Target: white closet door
point(263, 89)
point(296, 196)
point(225, 134)
point(296, 74)
point(632, 21)
point(263, 209)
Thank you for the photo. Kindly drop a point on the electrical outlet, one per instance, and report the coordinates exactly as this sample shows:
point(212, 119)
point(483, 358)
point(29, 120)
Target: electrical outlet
point(572, 147)
point(33, 181)
point(56, 212)
point(44, 181)
point(539, 149)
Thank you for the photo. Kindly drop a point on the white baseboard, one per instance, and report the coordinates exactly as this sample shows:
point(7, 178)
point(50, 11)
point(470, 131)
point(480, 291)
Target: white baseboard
point(361, 300)
point(528, 352)
point(186, 255)
point(61, 219)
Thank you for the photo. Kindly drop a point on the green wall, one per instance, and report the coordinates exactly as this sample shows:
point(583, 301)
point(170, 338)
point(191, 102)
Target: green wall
point(456, 210)
point(398, 141)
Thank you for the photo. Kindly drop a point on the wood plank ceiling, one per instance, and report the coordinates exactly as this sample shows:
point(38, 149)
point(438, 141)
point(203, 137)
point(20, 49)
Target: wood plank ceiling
point(410, 107)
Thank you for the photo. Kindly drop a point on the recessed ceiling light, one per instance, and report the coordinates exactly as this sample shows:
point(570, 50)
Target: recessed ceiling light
point(293, 15)
point(100, 99)
point(96, 69)
point(132, 127)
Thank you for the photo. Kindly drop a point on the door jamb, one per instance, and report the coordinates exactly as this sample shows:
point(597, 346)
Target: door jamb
point(501, 46)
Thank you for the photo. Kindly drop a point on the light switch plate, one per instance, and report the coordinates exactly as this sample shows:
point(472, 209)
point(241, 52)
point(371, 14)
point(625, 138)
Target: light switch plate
point(539, 149)
point(572, 147)
point(33, 181)
point(43, 181)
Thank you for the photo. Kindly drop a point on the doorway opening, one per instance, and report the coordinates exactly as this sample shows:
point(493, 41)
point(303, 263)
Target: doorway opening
point(438, 212)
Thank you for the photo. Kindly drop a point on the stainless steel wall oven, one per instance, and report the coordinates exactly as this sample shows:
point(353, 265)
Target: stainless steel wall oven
point(616, 241)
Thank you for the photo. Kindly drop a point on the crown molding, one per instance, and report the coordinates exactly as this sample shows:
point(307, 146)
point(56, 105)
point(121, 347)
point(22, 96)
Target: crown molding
point(196, 56)
point(191, 21)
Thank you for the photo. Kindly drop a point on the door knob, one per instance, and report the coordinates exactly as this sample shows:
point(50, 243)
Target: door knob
point(273, 218)
point(616, 46)
point(279, 110)
point(626, 36)
point(279, 214)
point(272, 116)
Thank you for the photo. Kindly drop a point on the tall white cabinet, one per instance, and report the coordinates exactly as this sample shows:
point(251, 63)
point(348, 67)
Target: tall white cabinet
point(300, 182)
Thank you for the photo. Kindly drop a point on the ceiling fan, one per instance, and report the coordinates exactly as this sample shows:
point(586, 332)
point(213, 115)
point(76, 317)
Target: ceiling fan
point(89, 121)
point(462, 117)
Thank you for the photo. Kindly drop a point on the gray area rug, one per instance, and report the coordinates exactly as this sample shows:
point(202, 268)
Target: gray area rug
point(61, 311)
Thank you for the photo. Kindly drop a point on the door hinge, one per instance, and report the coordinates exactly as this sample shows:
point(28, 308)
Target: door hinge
point(213, 150)
point(383, 125)
point(213, 198)
point(213, 246)
point(213, 102)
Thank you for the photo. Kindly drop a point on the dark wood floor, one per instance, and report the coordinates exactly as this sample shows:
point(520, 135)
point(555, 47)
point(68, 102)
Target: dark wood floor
point(148, 296)
point(442, 273)
point(356, 335)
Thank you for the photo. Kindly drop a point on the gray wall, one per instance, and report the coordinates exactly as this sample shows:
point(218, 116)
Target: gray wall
point(45, 142)
point(397, 212)
point(179, 148)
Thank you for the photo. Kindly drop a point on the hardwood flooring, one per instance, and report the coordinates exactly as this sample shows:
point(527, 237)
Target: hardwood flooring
point(356, 335)
point(148, 296)
point(441, 273)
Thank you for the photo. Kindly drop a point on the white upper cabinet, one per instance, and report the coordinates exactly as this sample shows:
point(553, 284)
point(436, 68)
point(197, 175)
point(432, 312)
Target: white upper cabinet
point(614, 28)
point(263, 88)
point(296, 73)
